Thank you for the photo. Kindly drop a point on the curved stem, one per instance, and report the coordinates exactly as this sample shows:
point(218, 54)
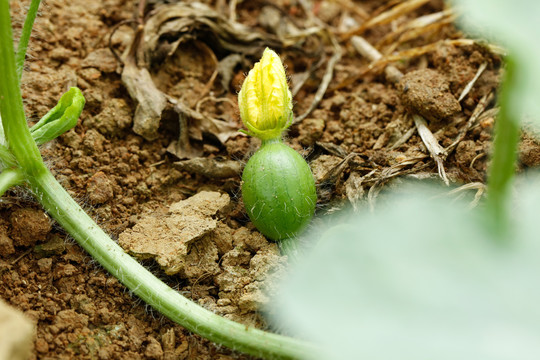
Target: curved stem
point(152, 290)
point(25, 36)
point(505, 146)
point(10, 178)
point(18, 135)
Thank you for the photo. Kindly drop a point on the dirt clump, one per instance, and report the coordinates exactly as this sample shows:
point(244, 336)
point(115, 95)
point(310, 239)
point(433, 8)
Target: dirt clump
point(323, 165)
point(466, 152)
point(428, 93)
point(54, 246)
point(99, 189)
point(29, 226)
point(176, 239)
point(248, 272)
point(153, 349)
point(192, 242)
point(6, 243)
point(310, 131)
point(529, 152)
point(101, 59)
point(115, 116)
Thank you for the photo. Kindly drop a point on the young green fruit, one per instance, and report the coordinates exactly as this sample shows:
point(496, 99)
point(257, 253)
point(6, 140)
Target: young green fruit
point(278, 188)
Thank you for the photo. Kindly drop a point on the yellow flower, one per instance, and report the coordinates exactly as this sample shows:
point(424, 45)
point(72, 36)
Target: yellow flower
point(265, 101)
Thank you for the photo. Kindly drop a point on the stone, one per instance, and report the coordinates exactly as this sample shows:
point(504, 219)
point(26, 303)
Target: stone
point(16, 334)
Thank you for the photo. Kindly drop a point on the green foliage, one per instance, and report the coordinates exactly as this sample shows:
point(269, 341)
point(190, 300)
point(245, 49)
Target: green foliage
point(420, 279)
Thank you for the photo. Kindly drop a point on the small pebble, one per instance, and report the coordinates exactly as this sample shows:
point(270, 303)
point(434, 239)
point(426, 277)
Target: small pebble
point(45, 265)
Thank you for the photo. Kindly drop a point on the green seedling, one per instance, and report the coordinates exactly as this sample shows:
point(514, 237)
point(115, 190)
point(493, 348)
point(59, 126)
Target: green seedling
point(22, 164)
point(278, 188)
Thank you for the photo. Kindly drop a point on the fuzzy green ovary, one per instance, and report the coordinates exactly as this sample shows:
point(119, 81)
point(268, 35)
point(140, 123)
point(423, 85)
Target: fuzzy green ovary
point(278, 191)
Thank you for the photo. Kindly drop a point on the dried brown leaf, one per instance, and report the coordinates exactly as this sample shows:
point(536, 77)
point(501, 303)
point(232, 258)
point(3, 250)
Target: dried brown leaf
point(173, 21)
point(151, 101)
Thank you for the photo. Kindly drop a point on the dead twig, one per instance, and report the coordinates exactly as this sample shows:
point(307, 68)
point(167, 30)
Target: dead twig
point(382, 63)
point(402, 140)
point(333, 174)
point(479, 156)
point(325, 81)
point(111, 34)
point(435, 150)
point(330, 65)
point(392, 172)
point(209, 84)
point(365, 49)
point(422, 50)
point(386, 17)
point(21, 256)
point(478, 110)
point(422, 22)
point(350, 6)
point(232, 11)
point(301, 78)
point(478, 186)
point(214, 99)
point(415, 33)
point(471, 83)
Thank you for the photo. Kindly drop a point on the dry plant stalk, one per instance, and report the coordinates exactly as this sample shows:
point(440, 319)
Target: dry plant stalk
point(386, 17)
point(478, 110)
point(471, 83)
point(415, 25)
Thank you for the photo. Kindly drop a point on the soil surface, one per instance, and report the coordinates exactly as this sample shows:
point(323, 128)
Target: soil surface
point(168, 191)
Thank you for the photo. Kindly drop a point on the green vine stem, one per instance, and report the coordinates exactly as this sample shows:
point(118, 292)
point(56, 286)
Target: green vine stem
point(25, 36)
point(144, 284)
point(18, 136)
point(504, 157)
point(78, 224)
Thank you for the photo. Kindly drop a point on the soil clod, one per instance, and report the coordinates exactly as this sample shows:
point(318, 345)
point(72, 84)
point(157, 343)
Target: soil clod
point(29, 226)
point(428, 93)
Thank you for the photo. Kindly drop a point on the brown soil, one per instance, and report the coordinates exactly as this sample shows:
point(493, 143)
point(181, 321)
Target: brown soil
point(134, 189)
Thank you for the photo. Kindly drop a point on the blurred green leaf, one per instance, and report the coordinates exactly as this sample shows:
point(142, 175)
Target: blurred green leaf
point(420, 279)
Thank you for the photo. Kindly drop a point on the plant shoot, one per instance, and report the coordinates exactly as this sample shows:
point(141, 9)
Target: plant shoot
point(277, 185)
